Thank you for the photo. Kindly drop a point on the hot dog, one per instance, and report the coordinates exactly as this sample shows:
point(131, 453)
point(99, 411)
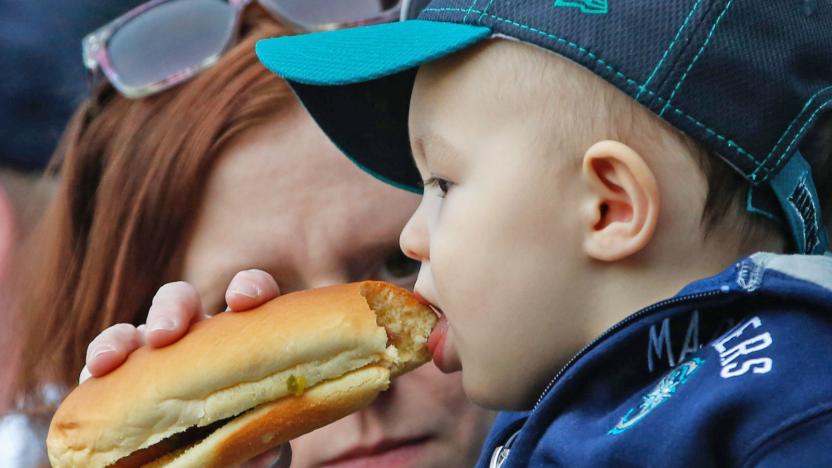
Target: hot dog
point(241, 383)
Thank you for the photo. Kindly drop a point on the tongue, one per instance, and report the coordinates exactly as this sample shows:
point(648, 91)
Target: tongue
point(437, 336)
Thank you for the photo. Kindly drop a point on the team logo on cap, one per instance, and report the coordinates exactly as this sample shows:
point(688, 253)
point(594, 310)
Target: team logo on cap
point(596, 7)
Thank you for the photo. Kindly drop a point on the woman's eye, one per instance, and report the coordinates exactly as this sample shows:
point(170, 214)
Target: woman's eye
point(400, 269)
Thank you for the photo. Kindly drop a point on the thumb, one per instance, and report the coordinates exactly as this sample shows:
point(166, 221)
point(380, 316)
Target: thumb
point(249, 289)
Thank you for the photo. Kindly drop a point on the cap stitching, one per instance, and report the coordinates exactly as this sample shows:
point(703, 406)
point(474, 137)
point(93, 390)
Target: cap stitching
point(696, 58)
point(479, 20)
point(470, 9)
point(669, 47)
point(788, 129)
point(761, 164)
point(791, 144)
point(794, 121)
point(730, 143)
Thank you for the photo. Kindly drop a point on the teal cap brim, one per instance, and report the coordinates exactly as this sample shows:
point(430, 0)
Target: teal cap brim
point(354, 55)
point(356, 84)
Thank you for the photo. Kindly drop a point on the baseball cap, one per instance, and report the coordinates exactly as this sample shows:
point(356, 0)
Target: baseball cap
point(747, 79)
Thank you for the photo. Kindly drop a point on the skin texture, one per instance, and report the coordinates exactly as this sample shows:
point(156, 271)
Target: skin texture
point(309, 219)
point(537, 232)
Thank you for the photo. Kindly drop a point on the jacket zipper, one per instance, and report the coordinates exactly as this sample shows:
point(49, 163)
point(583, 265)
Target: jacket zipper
point(630, 319)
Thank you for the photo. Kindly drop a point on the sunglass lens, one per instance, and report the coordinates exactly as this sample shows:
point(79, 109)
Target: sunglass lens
point(166, 40)
point(313, 14)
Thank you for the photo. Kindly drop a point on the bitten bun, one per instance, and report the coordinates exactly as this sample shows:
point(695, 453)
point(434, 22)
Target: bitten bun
point(241, 383)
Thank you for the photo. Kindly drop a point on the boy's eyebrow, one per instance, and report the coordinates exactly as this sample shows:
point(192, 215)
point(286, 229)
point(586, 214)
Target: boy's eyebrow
point(434, 145)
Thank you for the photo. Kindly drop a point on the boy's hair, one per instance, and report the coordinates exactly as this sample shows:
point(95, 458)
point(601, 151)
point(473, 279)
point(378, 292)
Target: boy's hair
point(728, 191)
point(602, 111)
point(726, 200)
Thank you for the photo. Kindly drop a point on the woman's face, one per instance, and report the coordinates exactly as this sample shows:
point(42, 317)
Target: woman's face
point(284, 200)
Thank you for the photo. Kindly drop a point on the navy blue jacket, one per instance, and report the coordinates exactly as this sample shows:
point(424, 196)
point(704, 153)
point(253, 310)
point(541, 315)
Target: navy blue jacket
point(735, 370)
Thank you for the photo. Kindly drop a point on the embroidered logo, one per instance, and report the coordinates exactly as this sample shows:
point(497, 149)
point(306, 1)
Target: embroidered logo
point(595, 7)
point(665, 389)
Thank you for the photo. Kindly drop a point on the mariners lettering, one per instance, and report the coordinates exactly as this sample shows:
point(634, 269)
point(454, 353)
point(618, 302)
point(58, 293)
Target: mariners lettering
point(739, 350)
point(659, 344)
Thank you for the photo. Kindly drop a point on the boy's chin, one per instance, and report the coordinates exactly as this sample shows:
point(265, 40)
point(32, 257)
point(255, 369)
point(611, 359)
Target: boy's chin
point(498, 396)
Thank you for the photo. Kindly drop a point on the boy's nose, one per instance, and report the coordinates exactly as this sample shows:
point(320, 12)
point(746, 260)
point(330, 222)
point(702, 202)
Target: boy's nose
point(414, 238)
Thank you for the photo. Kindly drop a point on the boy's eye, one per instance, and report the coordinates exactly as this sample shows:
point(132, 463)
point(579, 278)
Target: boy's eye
point(442, 184)
point(399, 269)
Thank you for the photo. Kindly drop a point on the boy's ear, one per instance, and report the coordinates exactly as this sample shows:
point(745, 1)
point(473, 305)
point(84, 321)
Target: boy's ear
point(622, 209)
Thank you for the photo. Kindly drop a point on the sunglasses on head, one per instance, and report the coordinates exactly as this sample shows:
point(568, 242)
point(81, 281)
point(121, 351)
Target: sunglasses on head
point(164, 42)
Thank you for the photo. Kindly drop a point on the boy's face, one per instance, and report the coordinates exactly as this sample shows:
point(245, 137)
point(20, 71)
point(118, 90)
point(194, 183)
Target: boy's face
point(500, 251)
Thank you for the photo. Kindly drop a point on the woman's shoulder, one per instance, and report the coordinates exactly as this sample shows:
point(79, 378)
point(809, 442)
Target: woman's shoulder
point(22, 440)
point(23, 433)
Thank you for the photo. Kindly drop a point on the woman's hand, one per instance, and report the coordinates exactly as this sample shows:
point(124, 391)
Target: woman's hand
point(174, 308)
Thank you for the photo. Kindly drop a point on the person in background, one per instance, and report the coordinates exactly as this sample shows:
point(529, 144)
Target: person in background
point(220, 174)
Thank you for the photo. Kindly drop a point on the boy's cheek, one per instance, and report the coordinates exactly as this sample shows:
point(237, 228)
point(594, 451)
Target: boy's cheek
point(468, 258)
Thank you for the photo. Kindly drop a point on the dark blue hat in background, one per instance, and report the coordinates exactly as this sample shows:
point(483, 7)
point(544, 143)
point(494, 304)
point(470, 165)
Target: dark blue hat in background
point(747, 78)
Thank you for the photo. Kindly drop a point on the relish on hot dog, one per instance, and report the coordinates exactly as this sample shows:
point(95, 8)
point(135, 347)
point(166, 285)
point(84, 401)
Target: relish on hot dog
point(241, 383)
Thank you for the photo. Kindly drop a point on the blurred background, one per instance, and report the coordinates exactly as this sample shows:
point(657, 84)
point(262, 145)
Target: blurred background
point(43, 82)
point(44, 79)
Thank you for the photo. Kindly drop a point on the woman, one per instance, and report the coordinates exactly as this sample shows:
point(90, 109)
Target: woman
point(221, 174)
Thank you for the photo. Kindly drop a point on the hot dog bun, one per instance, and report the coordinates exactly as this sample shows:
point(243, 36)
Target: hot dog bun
point(240, 383)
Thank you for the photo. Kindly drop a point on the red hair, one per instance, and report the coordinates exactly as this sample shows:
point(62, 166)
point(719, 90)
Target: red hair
point(132, 176)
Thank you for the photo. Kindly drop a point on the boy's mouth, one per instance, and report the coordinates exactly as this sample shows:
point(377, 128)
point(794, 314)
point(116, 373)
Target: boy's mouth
point(436, 342)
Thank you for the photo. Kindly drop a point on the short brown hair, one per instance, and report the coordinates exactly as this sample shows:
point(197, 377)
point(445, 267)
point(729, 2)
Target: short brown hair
point(728, 190)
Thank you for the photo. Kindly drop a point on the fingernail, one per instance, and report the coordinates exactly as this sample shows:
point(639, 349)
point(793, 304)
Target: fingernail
point(162, 324)
point(101, 350)
point(85, 374)
point(247, 289)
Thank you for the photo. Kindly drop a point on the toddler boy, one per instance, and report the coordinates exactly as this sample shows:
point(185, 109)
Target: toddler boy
point(573, 156)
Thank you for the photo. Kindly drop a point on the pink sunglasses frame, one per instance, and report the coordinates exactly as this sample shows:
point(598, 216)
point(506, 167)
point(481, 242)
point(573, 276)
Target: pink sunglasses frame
point(97, 58)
